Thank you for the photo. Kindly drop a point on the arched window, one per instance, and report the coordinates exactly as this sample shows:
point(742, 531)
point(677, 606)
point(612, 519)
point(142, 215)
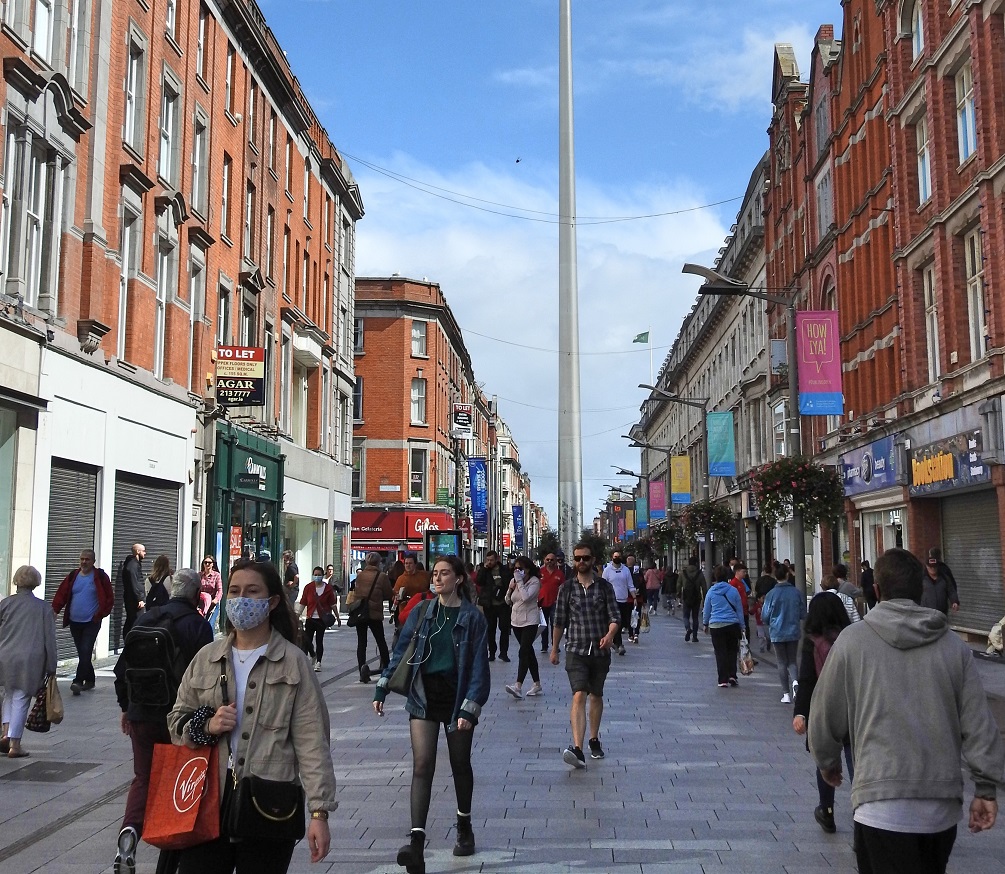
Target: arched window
point(914, 24)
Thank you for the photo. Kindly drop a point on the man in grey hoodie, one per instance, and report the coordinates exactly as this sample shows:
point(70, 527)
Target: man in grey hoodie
point(905, 690)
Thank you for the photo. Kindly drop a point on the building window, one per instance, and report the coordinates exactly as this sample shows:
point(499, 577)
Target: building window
point(357, 400)
point(974, 262)
point(289, 163)
point(418, 402)
point(417, 475)
point(200, 50)
point(924, 160)
point(132, 132)
point(200, 165)
point(270, 230)
point(76, 72)
point(418, 337)
point(272, 140)
point(931, 322)
point(252, 101)
point(229, 82)
point(37, 195)
point(225, 196)
point(286, 260)
point(249, 323)
point(197, 304)
point(286, 383)
point(249, 222)
point(166, 253)
point(172, 14)
point(357, 473)
point(168, 133)
point(778, 428)
point(305, 273)
point(41, 42)
point(917, 31)
point(966, 120)
point(223, 317)
point(128, 252)
point(825, 204)
point(357, 335)
point(307, 189)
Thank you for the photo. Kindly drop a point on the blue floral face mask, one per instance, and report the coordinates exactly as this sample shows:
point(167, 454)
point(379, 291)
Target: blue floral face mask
point(247, 613)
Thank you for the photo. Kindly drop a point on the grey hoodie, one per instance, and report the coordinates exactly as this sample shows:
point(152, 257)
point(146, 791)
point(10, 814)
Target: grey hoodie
point(907, 694)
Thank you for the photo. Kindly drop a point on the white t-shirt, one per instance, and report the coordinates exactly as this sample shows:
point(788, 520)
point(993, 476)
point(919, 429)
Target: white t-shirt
point(319, 588)
point(621, 579)
point(912, 816)
point(243, 661)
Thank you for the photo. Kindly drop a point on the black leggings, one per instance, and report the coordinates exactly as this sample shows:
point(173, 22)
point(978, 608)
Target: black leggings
point(526, 636)
point(377, 628)
point(314, 638)
point(424, 734)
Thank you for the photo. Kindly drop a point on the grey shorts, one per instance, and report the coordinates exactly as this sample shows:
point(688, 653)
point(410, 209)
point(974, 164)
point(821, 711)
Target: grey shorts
point(587, 673)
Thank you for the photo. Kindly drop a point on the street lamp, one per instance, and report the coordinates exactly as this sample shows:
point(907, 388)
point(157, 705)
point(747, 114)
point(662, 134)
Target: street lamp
point(716, 283)
point(700, 404)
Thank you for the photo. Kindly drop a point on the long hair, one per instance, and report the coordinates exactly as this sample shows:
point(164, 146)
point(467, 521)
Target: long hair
point(282, 617)
point(826, 611)
point(161, 568)
point(464, 588)
point(528, 566)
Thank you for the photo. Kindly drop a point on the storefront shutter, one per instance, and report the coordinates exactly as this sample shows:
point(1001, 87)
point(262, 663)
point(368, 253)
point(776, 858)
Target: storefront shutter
point(73, 491)
point(146, 511)
point(972, 549)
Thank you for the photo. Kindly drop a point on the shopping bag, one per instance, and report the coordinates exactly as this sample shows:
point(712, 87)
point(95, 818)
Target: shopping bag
point(635, 616)
point(746, 659)
point(183, 802)
point(644, 622)
point(53, 701)
point(37, 720)
point(542, 620)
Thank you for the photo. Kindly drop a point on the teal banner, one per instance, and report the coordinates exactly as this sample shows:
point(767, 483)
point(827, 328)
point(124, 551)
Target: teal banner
point(641, 513)
point(721, 445)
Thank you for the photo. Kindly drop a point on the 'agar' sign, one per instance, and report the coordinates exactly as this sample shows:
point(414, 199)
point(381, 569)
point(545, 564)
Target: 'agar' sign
point(240, 376)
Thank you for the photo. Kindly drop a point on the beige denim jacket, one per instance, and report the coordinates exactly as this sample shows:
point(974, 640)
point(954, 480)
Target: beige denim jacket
point(285, 732)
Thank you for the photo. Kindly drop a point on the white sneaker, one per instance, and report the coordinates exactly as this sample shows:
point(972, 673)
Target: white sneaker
point(786, 699)
point(795, 689)
point(535, 690)
point(317, 667)
point(515, 690)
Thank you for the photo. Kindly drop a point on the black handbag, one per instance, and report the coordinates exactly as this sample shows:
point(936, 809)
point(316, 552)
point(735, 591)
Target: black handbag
point(359, 611)
point(38, 718)
point(401, 679)
point(266, 810)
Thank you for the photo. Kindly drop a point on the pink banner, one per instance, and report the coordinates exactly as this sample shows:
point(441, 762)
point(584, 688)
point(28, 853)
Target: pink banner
point(657, 499)
point(818, 346)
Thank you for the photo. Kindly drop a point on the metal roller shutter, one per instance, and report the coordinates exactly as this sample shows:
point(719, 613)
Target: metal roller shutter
point(146, 511)
point(73, 493)
point(971, 546)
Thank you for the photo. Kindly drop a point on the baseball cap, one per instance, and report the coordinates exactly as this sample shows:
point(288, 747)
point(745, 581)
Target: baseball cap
point(933, 561)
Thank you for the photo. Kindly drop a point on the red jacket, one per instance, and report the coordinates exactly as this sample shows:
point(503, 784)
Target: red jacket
point(551, 582)
point(323, 603)
point(742, 589)
point(415, 599)
point(106, 598)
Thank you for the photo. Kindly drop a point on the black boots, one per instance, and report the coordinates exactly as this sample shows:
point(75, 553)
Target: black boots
point(364, 673)
point(410, 856)
point(465, 845)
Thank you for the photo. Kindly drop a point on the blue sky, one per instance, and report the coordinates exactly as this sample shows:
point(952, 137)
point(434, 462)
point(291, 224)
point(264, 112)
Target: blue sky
point(672, 101)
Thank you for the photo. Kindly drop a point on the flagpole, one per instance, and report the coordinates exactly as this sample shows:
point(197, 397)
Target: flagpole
point(649, 334)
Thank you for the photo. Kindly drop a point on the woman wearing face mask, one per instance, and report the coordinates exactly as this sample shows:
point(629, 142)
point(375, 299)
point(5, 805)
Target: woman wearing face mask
point(448, 685)
point(522, 596)
point(318, 605)
point(253, 696)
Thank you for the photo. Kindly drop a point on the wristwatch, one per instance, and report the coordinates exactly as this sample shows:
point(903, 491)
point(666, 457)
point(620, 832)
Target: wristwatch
point(319, 814)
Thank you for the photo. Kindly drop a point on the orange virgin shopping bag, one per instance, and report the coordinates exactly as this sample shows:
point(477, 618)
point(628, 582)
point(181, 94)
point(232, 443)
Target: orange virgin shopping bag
point(183, 804)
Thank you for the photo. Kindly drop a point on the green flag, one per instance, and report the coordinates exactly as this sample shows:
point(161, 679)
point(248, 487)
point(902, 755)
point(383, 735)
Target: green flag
point(642, 338)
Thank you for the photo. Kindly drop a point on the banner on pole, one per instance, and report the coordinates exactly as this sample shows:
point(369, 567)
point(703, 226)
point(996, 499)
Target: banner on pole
point(629, 521)
point(479, 494)
point(818, 345)
point(680, 479)
point(721, 445)
point(657, 500)
point(518, 525)
point(641, 513)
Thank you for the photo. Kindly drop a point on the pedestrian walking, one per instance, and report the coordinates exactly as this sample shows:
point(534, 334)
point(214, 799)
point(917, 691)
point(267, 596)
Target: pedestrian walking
point(132, 586)
point(177, 629)
point(158, 583)
point(939, 592)
point(448, 685)
point(653, 579)
point(552, 578)
point(522, 596)
point(27, 655)
point(317, 604)
point(668, 588)
point(866, 578)
point(492, 582)
point(291, 576)
point(373, 587)
point(692, 596)
point(739, 582)
point(825, 620)
point(722, 617)
point(620, 578)
point(832, 585)
point(411, 581)
point(211, 590)
point(783, 611)
point(337, 590)
point(87, 595)
point(587, 613)
point(901, 674)
point(239, 689)
point(639, 598)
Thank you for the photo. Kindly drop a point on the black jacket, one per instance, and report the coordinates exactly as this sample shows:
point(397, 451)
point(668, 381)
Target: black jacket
point(131, 580)
point(490, 593)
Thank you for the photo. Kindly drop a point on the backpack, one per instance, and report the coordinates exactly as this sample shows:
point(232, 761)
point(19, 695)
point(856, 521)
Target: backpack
point(154, 663)
point(690, 592)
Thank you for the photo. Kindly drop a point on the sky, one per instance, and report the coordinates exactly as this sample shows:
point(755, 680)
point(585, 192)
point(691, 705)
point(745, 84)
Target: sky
point(447, 112)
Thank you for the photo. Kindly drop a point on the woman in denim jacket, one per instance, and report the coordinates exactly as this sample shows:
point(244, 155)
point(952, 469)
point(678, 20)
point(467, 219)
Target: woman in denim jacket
point(448, 684)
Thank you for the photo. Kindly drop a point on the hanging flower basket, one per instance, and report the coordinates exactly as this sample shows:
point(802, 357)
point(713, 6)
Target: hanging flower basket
point(667, 535)
point(703, 516)
point(800, 485)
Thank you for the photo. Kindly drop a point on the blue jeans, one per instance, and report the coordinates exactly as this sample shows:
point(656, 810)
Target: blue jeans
point(84, 635)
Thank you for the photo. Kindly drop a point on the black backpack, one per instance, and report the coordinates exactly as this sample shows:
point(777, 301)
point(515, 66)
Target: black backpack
point(690, 592)
point(154, 663)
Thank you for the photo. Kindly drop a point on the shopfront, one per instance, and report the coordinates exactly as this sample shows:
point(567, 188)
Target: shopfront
point(874, 480)
point(246, 498)
point(384, 530)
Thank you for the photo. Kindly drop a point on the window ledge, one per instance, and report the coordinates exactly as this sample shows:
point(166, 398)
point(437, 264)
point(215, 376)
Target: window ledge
point(423, 357)
point(970, 159)
point(289, 196)
point(202, 83)
point(419, 424)
point(133, 151)
point(224, 238)
point(171, 41)
point(231, 117)
point(273, 174)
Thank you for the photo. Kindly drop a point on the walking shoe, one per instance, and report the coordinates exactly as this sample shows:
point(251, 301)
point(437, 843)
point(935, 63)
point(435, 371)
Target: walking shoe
point(596, 750)
point(465, 844)
point(492, 657)
point(795, 688)
point(825, 817)
point(515, 690)
point(621, 650)
point(125, 858)
point(574, 756)
point(317, 667)
point(635, 639)
point(87, 685)
point(76, 688)
point(410, 856)
point(535, 690)
point(724, 685)
point(364, 673)
point(733, 681)
point(786, 699)
point(504, 658)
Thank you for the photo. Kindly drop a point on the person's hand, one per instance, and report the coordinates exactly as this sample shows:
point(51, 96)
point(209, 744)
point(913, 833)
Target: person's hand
point(706, 629)
point(607, 641)
point(463, 724)
point(224, 720)
point(553, 657)
point(983, 812)
point(378, 708)
point(956, 608)
point(319, 839)
point(799, 724)
point(125, 725)
point(141, 605)
point(832, 777)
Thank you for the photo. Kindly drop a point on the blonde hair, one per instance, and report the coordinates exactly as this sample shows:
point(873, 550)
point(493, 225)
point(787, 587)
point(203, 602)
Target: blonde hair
point(27, 577)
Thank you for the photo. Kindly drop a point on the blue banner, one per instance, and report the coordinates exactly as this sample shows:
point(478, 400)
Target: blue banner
point(870, 468)
point(479, 495)
point(518, 525)
point(641, 513)
point(721, 445)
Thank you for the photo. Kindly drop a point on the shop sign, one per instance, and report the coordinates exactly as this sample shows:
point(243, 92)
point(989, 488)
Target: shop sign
point(443, 496)
point(416, 525)
point(870, 467)
point(462, 422)
point(253, 476)
point(377, 525)
point(953, 463)
point(506, 540)
point(240, 376)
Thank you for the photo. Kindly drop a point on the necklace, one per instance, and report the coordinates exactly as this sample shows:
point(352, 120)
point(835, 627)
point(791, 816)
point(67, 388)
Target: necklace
point(248, 653)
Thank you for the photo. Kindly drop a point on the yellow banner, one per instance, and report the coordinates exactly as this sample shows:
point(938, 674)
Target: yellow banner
point(680, 479)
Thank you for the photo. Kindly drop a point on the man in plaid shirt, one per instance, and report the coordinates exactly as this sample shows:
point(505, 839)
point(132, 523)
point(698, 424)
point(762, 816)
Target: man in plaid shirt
point(587, 612)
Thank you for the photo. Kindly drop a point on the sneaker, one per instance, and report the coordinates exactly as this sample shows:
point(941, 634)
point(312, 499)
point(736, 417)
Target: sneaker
point(621, 650)
point(596, 750)
point(125, 857)
point(492, 657)
point(317, 667)
point(724, 685)
point(574, 756)
point(504, 658)
point(515, 691)
point(825, 817)
point(786, 699)
point(535, 690)
point(635, 640)
point(733, 681)
point(76, 687)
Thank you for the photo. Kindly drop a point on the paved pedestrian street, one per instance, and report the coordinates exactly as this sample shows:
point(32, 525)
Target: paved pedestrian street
point(697, 779)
